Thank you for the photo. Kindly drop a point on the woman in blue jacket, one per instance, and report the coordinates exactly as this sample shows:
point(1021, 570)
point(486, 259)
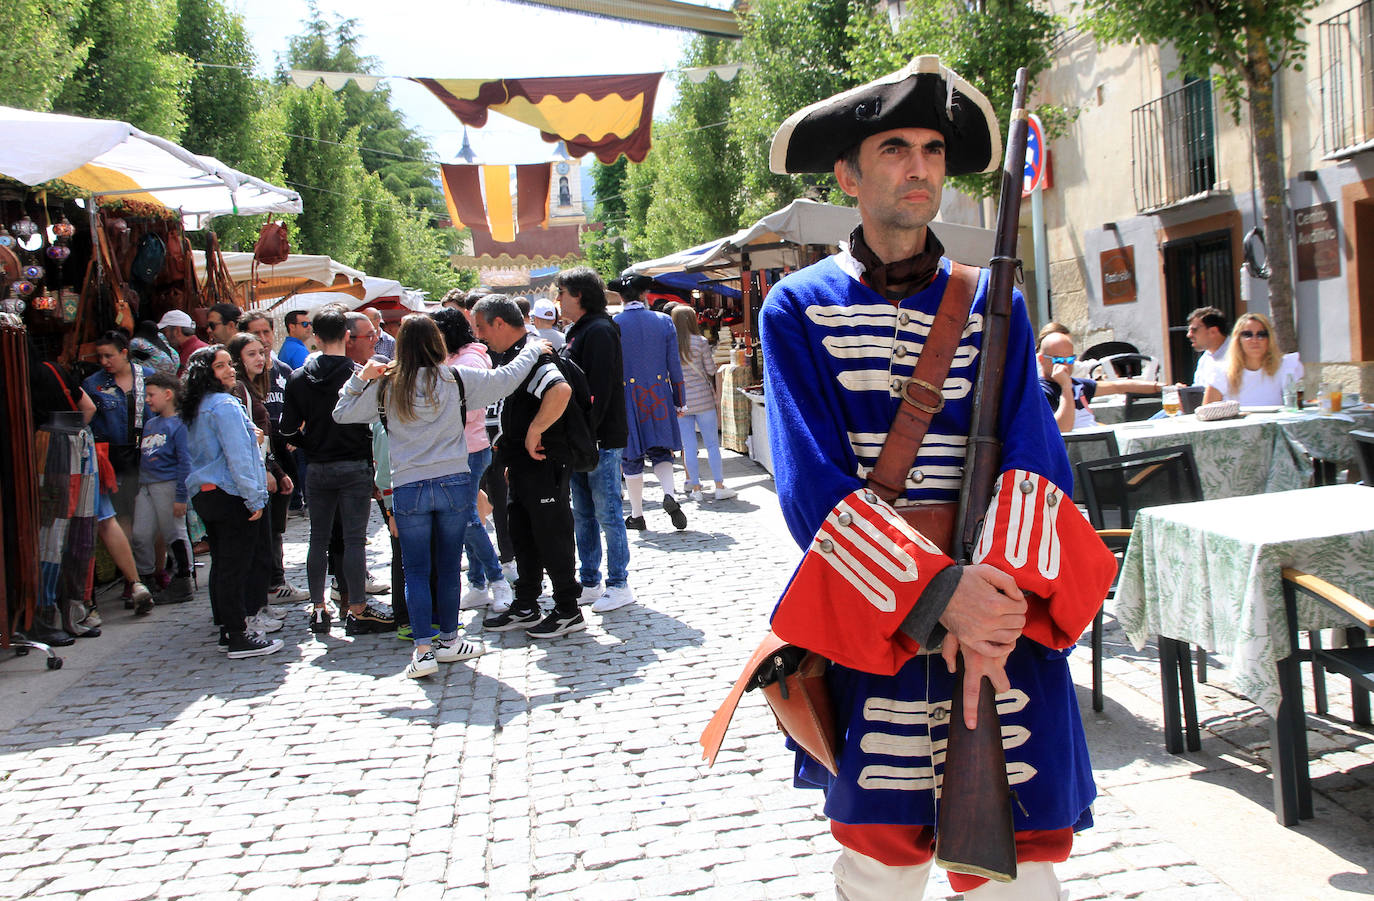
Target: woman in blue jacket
point(228, 486)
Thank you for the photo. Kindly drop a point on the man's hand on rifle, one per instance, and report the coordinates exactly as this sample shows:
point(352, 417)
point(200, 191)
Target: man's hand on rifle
point(986, 612)
point(976, 666)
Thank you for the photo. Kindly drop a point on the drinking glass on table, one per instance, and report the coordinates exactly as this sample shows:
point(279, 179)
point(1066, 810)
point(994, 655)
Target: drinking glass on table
point(1169, 397)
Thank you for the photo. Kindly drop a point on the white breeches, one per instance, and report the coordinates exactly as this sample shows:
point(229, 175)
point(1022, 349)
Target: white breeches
point(859, 877)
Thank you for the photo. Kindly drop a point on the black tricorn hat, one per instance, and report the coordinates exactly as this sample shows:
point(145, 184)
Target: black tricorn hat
point(923, 94)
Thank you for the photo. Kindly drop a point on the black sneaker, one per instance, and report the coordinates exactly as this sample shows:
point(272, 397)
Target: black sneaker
point(252, 644)
point(674, 511)
point(510, 620)
point(556, 624)
point(370, 621)
point(223, 643)
point(635, 522)
point(320, 620)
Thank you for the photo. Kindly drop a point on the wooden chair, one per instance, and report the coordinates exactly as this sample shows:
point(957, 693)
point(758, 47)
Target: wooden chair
point(1364, 445)
point(1292, 782)
point(1115, 489)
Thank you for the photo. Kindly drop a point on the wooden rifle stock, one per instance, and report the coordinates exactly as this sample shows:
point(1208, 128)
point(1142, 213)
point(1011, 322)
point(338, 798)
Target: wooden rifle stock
point(974, 832)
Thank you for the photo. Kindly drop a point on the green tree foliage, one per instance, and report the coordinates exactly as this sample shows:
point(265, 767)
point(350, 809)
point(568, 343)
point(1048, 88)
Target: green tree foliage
point(132, 71)
point(322, 163)
point(40, 49)
point(795, 52)
point(387, 145)
point(985, 43)
point(1242, 44)
point(695, 194)
point(223, 97)
point(604, 247)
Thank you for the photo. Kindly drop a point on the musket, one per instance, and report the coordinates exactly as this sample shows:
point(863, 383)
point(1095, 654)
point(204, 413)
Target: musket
point(974, 832)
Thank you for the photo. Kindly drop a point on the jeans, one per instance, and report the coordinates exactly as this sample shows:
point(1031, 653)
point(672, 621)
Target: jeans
point(596, 510)
point(710, 436)
point(483, 567)
point(437, 509)
point(541, 530)
point(344, 487)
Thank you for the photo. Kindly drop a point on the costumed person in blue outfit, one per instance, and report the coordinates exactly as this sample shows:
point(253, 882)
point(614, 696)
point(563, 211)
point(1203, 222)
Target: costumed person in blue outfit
point(876, 593)
point(653, 392)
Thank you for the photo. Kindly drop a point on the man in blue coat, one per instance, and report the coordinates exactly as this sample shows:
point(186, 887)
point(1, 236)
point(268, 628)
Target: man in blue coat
point(653, 392)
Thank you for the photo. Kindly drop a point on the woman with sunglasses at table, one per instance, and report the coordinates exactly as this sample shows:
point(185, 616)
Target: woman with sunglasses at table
point(1253, 372)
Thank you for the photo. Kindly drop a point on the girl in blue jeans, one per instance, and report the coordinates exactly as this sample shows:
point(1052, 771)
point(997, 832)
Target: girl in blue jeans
point(424, 403)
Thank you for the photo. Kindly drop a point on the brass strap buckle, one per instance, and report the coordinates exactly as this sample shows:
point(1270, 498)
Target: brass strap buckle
point(930, 406)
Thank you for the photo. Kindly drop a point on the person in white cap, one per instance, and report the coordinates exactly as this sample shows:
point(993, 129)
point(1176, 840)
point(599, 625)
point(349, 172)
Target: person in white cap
point(878, 593)
point(544, 315)
point(180, 331)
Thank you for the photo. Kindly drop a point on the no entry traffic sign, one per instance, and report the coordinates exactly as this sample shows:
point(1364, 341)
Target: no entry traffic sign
point(1035, 156)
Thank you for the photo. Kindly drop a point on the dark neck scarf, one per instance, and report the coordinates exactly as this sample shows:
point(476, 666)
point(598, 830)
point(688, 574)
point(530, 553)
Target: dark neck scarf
point(902, 278)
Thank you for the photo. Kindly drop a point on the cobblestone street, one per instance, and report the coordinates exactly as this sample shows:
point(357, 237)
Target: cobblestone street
point(151, 766)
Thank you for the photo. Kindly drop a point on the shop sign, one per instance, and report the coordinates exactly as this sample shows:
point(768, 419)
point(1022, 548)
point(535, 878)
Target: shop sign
point(1118, 275)
point(1318, 247)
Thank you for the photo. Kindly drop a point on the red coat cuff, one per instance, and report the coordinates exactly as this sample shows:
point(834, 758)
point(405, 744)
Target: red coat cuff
point(1034, 533)
point(862, 574)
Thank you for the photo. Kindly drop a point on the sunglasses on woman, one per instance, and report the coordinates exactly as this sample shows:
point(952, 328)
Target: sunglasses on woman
point(1254, 334)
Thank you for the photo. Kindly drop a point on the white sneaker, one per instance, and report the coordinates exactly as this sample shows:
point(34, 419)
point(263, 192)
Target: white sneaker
point(259, 623)
point(272, 612)
point(375, 587)
point(457, 649)
point(616, 596)
point(724, 494)
point(475, 597)
point(421, 665)
point(508, 569)
point(501, 596)
point(591, 593)
point(288, 594)
point(695, 494)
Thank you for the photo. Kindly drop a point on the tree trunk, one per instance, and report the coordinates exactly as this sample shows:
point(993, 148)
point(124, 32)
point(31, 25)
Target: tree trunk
point(1273, 192)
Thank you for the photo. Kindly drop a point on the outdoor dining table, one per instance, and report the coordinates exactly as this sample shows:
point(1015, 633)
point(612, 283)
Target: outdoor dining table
point(1254, 453)
point(1209, 573)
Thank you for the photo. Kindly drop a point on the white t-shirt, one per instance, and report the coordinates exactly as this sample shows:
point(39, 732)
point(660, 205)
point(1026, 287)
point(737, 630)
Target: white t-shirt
point(1257, 387)
point(1208, 361)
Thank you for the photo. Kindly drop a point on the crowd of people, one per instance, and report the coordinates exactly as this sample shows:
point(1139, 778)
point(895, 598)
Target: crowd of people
point(456, 421)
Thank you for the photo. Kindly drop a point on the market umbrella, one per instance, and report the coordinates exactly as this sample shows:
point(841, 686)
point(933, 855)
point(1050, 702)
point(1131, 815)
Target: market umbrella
point(107, 157)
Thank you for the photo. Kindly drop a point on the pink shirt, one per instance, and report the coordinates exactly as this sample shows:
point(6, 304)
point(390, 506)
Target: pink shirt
point(474, 356)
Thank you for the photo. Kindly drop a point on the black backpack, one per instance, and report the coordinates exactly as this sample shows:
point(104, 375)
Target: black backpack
point(570, 440)
point(149, 259)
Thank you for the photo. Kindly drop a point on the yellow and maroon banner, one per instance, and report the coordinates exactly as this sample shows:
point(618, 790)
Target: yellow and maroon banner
point(479, 197)
point(603, 114)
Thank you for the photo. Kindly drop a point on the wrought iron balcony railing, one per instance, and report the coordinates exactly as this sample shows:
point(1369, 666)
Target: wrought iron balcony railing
point(1173, 147)
point(1346, 47)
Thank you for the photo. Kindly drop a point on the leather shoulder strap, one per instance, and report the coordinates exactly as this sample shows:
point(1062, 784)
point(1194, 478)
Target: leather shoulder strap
point(922, 395)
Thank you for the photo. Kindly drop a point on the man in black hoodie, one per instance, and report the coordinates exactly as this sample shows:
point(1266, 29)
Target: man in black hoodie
point(593, 343)
point(339, 478)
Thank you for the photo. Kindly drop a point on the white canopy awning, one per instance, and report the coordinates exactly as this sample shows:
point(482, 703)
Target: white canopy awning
point(315, 268)
point(111, 158)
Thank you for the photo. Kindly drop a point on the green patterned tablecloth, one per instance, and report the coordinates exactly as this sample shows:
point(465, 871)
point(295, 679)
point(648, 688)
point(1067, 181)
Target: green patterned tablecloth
point(1253, 454)
point(1209, 574)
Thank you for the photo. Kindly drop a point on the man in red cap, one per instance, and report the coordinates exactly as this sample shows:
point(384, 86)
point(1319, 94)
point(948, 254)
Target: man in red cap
point(878, 592)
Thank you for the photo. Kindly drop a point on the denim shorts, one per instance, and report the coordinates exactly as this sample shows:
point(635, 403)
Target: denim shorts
point(104, 508)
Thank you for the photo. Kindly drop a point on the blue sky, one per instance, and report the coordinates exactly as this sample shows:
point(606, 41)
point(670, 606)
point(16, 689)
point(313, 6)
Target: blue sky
point(477, 39)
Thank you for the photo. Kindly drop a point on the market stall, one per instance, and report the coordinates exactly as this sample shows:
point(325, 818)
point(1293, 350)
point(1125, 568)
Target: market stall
point(93, 215)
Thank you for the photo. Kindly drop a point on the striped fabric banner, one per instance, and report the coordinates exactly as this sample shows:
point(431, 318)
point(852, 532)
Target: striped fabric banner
point(479, 198)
